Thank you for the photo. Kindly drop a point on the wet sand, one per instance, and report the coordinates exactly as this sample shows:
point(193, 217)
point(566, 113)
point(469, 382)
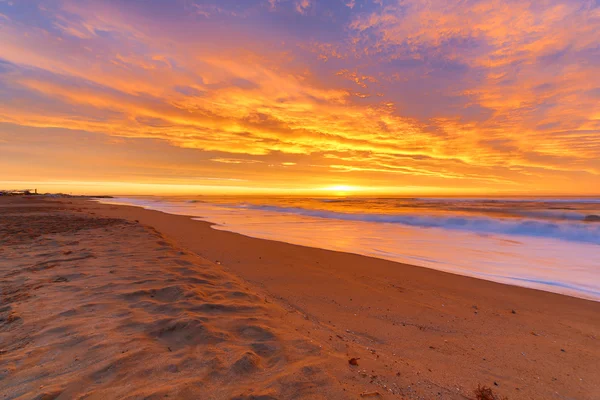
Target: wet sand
point(103, 301)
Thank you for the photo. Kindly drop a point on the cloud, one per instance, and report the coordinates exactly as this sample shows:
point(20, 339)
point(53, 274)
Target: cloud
point(235, 161)
point(302, 6)
point(480, 92)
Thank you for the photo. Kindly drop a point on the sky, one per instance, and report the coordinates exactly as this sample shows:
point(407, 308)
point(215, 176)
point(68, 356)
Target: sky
point(300, 96)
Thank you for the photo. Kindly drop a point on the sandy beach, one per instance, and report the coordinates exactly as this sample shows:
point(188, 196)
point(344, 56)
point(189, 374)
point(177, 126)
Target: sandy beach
point(102, 301)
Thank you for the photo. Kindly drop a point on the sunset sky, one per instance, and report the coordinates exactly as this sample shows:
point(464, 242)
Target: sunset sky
point(298, 96)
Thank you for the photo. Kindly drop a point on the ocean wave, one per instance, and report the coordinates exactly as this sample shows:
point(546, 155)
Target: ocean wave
point(551, 214)
point(500, 200)
point(576, 231)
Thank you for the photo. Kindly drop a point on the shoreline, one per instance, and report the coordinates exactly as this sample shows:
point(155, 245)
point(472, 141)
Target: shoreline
point(441, 319)
point(524, 261)
point(419, 333)
point(211, 225)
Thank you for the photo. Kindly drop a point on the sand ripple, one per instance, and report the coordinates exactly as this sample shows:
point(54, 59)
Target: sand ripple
point(100, 308)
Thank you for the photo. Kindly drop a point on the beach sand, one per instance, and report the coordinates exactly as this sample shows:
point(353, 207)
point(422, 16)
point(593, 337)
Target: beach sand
point(103, 301)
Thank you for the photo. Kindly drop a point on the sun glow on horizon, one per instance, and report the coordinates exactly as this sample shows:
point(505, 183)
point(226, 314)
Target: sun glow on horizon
point(344, 190)
point(145, 189)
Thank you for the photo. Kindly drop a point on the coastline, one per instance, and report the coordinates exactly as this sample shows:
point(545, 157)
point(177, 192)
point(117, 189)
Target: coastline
point(252, 247)
point(421, 332)
point(462, 245)
point(384, 301)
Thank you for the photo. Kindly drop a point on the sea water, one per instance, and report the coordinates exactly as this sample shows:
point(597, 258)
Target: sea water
point(552, 244)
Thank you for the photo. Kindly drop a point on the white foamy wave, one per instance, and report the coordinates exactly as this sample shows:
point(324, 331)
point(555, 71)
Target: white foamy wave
point(563, 230)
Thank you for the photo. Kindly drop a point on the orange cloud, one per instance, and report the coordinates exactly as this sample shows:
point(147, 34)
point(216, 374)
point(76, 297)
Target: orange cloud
point(462, 94)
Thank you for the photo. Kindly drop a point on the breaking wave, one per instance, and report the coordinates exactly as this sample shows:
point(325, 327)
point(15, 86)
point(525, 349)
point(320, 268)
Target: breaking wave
point(571, 230)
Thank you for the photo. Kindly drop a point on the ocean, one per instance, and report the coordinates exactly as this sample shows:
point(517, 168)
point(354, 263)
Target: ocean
point(551, 244)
